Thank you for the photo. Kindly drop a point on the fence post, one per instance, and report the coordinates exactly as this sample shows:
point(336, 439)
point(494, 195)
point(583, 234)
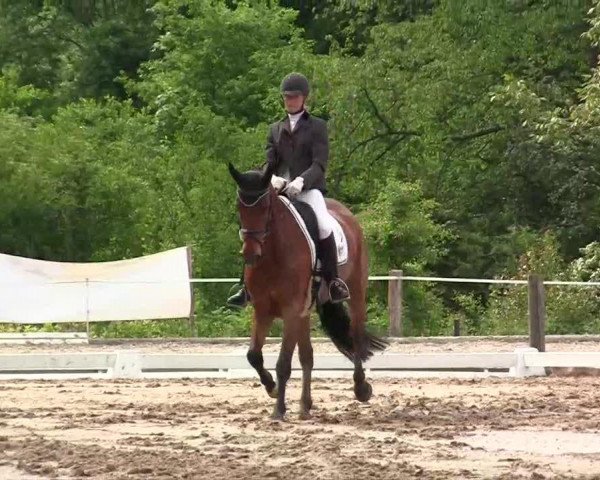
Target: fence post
point(395, 303)
point(537, 312)
point(87, 307)
point(457, 328)
point(192, 317)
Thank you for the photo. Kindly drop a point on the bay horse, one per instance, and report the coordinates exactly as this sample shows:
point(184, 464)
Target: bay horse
point(278, 275)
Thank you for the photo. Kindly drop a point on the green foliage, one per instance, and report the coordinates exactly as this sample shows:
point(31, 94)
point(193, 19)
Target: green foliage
point(86, 183)
point(399, 227)
point(587, 267)
point(468, 314)
point(577, 309)
point(400, 231)
point(215, 56)
point(141, 329)
point(569, 309)
point(465, 135)
point(23, 100)
point(46, 327)
point(225, 323)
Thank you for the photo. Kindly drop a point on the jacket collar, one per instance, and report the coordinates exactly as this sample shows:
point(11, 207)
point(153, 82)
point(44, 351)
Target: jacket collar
point(301, 121)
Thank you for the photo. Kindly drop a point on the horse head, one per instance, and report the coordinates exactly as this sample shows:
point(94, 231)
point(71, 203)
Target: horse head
point(254, 208)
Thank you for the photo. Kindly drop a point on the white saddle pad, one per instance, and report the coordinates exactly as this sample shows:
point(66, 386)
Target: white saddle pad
point(338, 233)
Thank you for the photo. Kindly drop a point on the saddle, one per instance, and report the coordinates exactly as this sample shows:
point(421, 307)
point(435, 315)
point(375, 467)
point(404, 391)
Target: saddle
point(307, 221)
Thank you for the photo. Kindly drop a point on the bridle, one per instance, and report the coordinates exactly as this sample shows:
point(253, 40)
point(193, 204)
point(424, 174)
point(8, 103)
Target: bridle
point(257, 235)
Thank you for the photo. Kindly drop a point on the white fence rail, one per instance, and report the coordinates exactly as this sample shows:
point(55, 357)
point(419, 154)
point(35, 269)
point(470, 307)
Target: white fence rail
point(409, 278)
point(130, 364)
point(396, 279)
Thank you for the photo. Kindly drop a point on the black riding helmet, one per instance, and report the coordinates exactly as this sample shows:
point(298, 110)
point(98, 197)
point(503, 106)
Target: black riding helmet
point(295, 84)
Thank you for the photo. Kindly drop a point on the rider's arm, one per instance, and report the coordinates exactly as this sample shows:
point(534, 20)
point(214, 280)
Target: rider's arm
point(271, 152)
point(320, 155)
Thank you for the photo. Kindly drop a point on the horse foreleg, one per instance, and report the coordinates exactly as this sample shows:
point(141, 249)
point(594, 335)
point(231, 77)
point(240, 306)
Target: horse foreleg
point(260, 328)
point(284, 364)
point(305, 352)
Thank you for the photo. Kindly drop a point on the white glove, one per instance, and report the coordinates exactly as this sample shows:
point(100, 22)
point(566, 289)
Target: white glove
point(295, 187)
point(278, 182)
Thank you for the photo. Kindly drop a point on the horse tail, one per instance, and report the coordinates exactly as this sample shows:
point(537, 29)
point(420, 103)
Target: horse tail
point(336, 323)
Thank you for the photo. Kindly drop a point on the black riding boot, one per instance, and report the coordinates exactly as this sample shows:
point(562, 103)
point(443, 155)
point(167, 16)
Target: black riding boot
point(241, 298)
point(338, 290)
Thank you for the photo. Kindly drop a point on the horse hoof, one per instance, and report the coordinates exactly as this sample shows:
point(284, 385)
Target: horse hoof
point(277, 415)
point(273, 393)
point(305, 415)
point(363, 392)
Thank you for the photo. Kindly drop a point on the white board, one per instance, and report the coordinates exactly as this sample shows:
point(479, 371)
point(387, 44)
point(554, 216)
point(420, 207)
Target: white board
point(151, 287)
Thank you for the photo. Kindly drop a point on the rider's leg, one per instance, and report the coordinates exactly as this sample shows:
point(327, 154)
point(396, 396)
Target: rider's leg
point(241, 298)
point(327, 251)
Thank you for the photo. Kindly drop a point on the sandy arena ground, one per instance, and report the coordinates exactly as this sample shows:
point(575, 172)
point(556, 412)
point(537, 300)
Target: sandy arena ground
point(538, 428)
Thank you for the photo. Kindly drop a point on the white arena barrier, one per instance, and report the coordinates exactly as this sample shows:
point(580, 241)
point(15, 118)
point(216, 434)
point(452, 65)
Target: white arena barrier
point(151, 287)
point(132, 364)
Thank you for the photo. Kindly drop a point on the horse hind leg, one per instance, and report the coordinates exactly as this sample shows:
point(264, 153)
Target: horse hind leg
point(358, 317)
point(363, 391)
point(305, 352)
point(349, 335)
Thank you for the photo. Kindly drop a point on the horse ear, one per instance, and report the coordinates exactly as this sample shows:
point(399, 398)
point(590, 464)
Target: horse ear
point(237, 176)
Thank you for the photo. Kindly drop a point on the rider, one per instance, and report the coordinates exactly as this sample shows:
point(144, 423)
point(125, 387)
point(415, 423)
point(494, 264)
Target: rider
point(298, 148)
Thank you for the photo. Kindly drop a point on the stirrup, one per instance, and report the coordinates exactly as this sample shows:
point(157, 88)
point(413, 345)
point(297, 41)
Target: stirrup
point(239, 299)
point(338, 291)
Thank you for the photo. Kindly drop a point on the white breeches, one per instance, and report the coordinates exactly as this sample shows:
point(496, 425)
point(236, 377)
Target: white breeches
point(324, 220)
